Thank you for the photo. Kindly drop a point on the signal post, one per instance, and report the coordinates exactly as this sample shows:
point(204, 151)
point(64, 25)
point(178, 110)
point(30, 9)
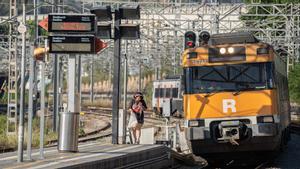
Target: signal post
point(71, 34)
point(121, 31)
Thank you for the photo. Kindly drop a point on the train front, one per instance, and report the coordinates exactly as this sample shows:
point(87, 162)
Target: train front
point(230, 101)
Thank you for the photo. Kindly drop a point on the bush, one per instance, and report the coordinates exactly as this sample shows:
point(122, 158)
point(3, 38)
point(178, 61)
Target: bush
point(148, 91)
point(294, 84)
point(2, 124)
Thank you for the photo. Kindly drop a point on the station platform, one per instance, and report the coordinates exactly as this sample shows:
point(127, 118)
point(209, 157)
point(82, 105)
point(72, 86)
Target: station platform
point(95, 155)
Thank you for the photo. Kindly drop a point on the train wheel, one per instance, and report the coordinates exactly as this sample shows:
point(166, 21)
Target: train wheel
point(287, 136)
point(282, 141)
point(288, 133)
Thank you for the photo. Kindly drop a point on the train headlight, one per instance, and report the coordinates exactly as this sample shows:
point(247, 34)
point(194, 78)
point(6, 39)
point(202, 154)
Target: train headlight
point(265, 119)
point(222, 50)
point(231, 50)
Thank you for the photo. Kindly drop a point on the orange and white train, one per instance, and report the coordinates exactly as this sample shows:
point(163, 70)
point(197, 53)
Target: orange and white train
point(235, 95)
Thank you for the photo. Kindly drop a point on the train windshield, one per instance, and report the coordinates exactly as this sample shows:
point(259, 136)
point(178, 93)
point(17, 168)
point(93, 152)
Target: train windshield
point(237, 77)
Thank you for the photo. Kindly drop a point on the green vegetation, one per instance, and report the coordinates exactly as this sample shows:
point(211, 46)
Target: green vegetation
point(3, 99)
point(11, 141)
point(98, 102)
point(2, 125)
point(273, 1)
point(101, 71)
point(294, 84)
point(30, 25)
point(4, 29)
point(294, 76)
point(148, 91)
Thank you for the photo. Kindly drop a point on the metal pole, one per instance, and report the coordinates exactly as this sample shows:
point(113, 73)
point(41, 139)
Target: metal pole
point(22, 97)
point(78, 91)
point(125, 96)
point(174, 53)
point(140, 77)
point(55, 84)
point(156, 73)
point(31, 84)
point(55, 92)
point(116, 79)
point(157, 69)
point(42, 115)
point(159, 57)
point(60, 77)
point(110, 69)
point(36, 43)
point(30, 107)
point(36, 30)
point(215, 19)
point(92, 80)
point(69, 122)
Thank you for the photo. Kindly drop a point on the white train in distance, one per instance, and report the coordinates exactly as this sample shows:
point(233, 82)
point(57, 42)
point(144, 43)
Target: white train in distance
point(164, 90)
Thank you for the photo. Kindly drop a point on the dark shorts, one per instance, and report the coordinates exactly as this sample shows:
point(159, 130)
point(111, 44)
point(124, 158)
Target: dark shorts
point(140, 117)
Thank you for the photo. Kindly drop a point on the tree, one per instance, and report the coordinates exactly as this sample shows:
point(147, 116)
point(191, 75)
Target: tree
point(4, 7)
point(275, 1)
point(30, 25)
point(294, 84)
point(4, 29)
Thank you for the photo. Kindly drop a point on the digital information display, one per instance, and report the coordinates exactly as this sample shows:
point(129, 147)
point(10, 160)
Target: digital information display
point(72, 23)
point(83, 44)
point(214, 55)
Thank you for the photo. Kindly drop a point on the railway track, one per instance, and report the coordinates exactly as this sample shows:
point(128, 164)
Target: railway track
point(101, 132)
point(106, 131)
point(295, 128)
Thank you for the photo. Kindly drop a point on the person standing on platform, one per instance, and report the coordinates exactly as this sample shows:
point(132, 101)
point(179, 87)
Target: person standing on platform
point(137, 107)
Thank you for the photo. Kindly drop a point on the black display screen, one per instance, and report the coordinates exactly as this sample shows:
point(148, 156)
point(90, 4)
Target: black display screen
point(84, 44)
point(71, 23)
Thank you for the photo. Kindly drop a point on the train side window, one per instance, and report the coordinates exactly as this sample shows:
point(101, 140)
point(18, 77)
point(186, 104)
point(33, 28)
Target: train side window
point(156, 93)
point(161, 92)
point(168, 92)
point(174, 92)
point(274, 77)
point(270, 75)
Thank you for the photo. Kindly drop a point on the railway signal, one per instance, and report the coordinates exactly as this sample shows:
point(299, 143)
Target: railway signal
point(189, 40)
point(121, 31)
point(204, 38)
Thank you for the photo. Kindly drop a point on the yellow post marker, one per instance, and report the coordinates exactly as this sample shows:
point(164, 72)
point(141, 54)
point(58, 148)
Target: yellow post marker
point(39, 53)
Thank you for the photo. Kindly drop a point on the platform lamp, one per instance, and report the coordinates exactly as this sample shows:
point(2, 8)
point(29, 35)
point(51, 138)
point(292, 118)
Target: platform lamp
point(121, 31)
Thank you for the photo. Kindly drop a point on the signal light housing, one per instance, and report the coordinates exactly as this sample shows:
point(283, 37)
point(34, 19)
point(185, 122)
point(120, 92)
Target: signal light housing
point(130, 31)
point(189, 40)
point(190, 44)
point(204, 38)
point(128, 11)
point(103, 13)
point(39, 53)
point(104, 31)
